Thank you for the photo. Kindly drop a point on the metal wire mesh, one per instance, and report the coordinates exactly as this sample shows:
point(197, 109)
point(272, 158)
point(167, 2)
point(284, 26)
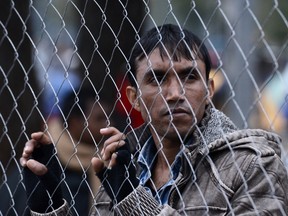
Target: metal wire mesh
point(51, 49)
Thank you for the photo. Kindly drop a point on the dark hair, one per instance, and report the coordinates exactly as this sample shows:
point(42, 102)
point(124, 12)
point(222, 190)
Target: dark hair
point(76, 103)
point(172, 39)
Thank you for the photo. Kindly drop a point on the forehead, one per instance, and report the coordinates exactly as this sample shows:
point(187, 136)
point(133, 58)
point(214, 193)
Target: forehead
point(154, 61)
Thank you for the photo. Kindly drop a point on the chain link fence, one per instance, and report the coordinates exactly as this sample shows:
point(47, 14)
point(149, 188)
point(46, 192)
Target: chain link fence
point(55, 55)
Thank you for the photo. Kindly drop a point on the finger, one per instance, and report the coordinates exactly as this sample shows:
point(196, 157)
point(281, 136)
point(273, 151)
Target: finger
point(113, 160)
point(114, 136)
point(36, 167)
point(116, 139)
point(29, 147)
point(27, 151)
point(111, 148)
point(97, 164)
point(41, 137)
point(37, 138)
point(119, 157)
point(109, 131)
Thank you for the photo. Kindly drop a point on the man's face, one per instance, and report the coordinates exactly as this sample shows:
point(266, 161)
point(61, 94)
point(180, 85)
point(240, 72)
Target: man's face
point(172, 95)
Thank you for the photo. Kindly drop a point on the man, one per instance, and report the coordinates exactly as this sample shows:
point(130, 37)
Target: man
point(190, 158)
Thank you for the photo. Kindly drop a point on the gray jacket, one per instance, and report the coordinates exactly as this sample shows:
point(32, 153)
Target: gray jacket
point(225, 171)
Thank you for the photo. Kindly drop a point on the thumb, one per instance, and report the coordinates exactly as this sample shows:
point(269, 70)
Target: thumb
point(37, 168)
point(97, 164)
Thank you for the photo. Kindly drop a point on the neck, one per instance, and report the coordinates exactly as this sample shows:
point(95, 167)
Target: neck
point(161, 172)
point(168, 150)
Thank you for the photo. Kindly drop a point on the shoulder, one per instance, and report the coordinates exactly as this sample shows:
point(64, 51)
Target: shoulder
point(247, 148)
point(247, 153)
point(257, 141)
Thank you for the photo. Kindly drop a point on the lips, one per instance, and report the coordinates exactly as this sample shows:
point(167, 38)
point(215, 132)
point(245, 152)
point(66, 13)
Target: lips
point(178, 110)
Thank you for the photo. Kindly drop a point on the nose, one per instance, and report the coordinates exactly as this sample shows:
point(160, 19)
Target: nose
point(174, 90)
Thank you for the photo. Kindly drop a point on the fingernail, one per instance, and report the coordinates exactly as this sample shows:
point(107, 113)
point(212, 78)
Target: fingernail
point(103, 129)
point(23, 164)
point(109, 166)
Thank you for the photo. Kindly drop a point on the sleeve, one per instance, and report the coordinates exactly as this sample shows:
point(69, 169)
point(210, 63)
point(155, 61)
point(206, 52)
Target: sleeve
point(61, 211)
point(264, 189)
point(140, 202)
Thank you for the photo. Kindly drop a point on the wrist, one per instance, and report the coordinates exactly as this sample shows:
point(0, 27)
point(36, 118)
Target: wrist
point(139, 201)
point(61, 211)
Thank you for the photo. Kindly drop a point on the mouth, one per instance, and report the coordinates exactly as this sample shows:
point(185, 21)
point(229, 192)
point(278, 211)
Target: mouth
point(178, 111)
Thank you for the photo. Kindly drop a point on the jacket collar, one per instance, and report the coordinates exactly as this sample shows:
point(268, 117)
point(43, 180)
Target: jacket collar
point(214, 132)
point(138, 137)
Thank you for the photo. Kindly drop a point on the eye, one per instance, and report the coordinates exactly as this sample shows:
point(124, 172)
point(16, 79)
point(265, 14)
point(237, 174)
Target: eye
point(191, 75)
point(156, 79)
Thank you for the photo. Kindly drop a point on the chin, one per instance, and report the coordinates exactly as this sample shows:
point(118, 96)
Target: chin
point(179, 132)
point(175, 130)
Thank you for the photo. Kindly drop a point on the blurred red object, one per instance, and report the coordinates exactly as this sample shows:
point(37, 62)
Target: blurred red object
point(123, 106)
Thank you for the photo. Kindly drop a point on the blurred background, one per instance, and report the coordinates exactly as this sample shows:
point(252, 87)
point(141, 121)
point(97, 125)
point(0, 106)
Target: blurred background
point(49, 48)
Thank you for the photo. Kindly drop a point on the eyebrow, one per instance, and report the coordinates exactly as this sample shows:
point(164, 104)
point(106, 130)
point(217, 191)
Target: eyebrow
point(152, 73)
point(180, 73)
point(188, 70)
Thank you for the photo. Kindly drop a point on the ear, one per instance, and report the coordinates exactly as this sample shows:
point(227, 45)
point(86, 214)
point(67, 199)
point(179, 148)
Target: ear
point(211, 90)
point(131, 94)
